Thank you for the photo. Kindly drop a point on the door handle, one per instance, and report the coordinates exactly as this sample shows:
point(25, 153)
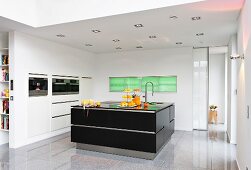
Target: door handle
point(87, 112)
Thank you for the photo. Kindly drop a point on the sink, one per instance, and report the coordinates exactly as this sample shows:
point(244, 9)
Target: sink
point(155, 103)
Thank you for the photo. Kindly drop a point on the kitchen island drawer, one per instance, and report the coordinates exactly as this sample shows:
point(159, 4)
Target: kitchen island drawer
point(138, 141)
point(114, 119)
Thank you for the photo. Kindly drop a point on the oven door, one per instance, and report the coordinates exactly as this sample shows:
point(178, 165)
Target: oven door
point(74, 87)
point(59, 87)
point(38, 86)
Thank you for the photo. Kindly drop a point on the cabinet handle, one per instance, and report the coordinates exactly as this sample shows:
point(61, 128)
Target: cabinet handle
point(171, 121)
point(161, 129)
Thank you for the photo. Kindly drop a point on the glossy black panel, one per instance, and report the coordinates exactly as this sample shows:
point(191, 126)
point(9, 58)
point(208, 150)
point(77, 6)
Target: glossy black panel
point(160, 138)
point(114, 119)
point(112, 138)
point(172, 112)
point(161, 122)
point(171, 127)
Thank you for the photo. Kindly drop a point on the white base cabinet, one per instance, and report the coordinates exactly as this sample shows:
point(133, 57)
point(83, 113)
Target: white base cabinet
point(61, 110)
point(60, 122)
point(38, 116)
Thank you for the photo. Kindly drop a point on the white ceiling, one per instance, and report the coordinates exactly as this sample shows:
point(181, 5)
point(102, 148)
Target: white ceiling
point(37, 13)
point(218, 22)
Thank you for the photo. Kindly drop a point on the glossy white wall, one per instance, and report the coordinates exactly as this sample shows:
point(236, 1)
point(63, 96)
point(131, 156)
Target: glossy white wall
point(172, 61)
point(244, 91)
point(34, 55)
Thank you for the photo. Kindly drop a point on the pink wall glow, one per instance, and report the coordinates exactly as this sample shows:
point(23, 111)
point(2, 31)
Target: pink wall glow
point(221, 5)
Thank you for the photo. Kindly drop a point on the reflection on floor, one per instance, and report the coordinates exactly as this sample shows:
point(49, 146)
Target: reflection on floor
point(197, 150)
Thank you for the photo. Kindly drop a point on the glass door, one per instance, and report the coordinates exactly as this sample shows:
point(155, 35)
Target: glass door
point(200, 88)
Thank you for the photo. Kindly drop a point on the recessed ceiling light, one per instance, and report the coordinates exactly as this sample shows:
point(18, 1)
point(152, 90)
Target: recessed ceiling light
point(60, 35)
point(96, 31)
point(139, 47)
point(139, 25)
point(179, 43)
point(196, 18)
point(118, 48)
point(200, 34)
point(173, 17)
point(152, 36)
point(116, 40)
point(88, 45)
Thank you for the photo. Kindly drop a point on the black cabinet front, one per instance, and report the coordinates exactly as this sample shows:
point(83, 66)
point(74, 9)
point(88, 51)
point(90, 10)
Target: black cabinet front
point(114, 119)
point(114, 138)
point(138, 131)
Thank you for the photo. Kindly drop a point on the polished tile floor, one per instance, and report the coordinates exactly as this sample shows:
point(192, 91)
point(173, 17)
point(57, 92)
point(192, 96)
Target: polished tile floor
point(197, 150)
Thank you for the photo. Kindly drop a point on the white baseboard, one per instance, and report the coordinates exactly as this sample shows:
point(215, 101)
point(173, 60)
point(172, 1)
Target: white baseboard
point(44, 136)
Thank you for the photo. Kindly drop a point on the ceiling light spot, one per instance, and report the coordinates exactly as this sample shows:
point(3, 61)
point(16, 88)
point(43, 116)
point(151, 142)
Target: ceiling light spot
point(118, 48)
point(152, 36)
point(139, 47)
point(60, 35)
point(196, 18)
point(173, 17)
point(116, 40)
point(139, 25)
point(179, 43)
point(200, 34)
point(88, 45)
point(96, 31)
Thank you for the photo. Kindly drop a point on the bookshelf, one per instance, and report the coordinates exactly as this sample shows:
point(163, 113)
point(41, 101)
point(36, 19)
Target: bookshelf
point(4, 90)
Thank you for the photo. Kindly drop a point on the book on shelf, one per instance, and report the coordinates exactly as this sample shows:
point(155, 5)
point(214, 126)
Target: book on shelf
point(4, 60)
point(4, 122)
point(5, 74)
point(5, 104)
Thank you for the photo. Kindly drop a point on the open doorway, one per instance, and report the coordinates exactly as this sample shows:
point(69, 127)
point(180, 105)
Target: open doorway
point(217, 86)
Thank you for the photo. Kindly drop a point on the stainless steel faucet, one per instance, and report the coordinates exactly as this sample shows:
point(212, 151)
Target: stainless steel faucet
point(146, 90)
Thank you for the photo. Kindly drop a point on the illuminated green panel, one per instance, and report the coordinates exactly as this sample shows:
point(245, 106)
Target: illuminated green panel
point(167, 84)
point(133, 82)
point(118, 84)
point(161, 83)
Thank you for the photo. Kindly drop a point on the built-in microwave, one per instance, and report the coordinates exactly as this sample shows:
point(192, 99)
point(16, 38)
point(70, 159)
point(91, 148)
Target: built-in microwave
point(65, 86)
point(38, 86)
point(74, 86)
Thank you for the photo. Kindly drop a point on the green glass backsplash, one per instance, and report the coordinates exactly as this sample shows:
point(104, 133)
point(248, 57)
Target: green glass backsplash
point(118, 84)
point(161, 83)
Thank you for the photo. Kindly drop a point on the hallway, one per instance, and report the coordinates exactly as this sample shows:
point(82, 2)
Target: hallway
point(197, 150)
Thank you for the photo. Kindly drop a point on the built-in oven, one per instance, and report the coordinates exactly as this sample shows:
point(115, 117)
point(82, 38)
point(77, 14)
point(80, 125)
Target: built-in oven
point(59, 87)
point(74, 86)
point(38, 86)
point(64, 86)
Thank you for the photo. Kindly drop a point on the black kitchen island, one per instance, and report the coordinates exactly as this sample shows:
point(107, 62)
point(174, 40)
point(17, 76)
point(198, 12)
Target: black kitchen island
point(137, 132)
